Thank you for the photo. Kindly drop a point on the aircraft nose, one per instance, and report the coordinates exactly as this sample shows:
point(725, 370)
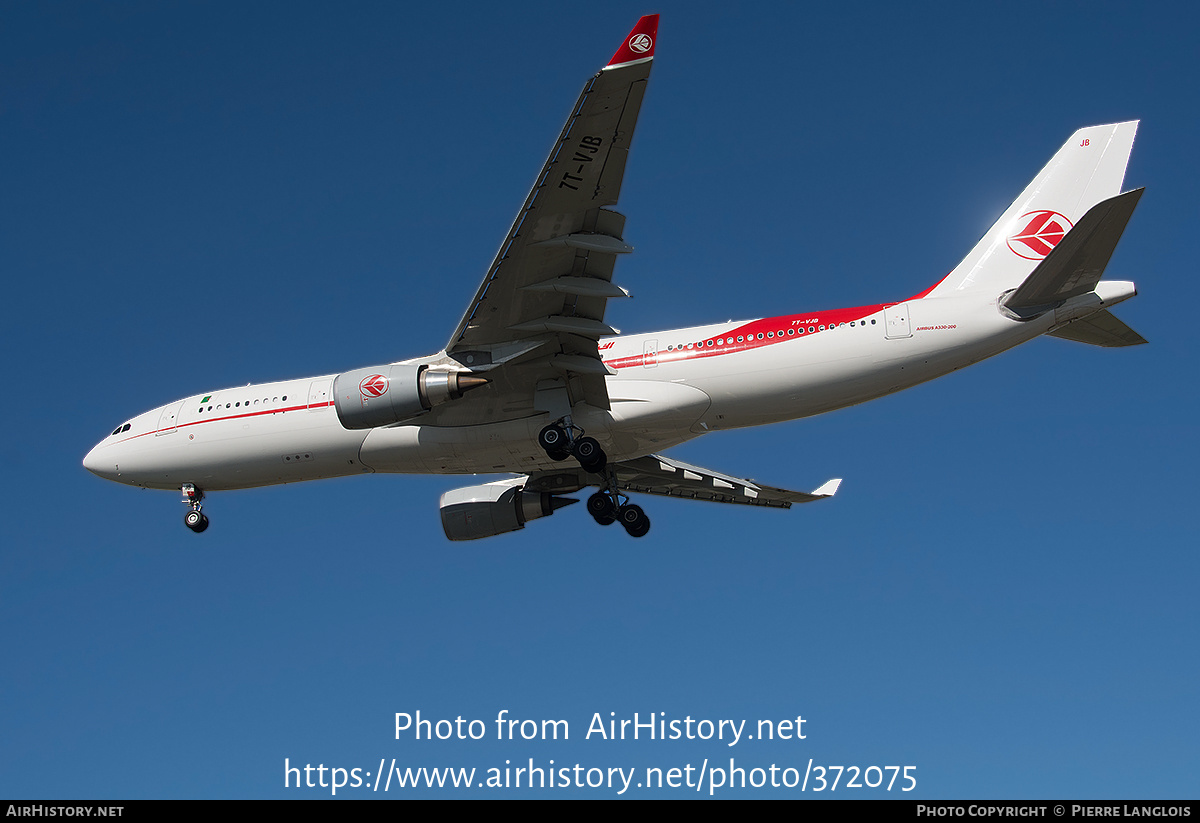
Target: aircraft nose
point(99, 465)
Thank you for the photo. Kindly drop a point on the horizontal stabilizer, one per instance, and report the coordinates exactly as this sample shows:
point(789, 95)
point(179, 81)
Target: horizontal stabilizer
point(1100, 329)
point(1076, 264)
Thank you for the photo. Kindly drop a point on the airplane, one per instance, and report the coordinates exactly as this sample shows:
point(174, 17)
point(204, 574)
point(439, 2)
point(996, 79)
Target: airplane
point(534, 383)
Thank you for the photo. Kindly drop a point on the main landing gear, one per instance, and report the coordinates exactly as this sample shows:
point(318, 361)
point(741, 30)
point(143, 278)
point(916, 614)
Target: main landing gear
point(194, 519)
point(610, 506)
point(560, 441)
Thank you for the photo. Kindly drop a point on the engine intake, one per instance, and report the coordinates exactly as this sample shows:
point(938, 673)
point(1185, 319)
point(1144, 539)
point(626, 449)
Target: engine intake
point(494, 508)
point(380, 396)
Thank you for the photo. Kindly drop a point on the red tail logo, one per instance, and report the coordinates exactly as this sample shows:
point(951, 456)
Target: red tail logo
point(1043, 231)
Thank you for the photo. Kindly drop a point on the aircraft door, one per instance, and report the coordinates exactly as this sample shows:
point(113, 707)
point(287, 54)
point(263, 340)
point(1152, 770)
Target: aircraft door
point(650, 354)
point(169, 419)
point(319, 394)
point(895, 321)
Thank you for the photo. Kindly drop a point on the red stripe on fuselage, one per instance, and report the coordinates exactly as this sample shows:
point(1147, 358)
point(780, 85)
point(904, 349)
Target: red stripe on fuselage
point(228, 417)
point(708, 347)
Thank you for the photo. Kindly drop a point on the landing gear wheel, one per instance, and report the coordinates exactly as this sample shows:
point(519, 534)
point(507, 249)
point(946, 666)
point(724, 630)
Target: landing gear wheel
point(601, 508)
point(558, 455)
point(553, 439)
point(590, 455)
point(195, 521)
point(634, 520)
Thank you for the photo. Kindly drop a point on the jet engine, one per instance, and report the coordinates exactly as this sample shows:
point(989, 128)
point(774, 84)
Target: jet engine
point(495, 508)
point(379, 396)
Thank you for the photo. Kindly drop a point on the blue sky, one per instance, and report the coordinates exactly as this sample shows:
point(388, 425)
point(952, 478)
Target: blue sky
point(205, 195)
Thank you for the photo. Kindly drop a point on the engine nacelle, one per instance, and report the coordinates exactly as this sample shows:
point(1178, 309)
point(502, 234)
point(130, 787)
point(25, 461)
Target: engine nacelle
point(380, 396)
point(495, 508)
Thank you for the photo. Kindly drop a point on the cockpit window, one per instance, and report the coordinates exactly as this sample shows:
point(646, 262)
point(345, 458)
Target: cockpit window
point(120, 429)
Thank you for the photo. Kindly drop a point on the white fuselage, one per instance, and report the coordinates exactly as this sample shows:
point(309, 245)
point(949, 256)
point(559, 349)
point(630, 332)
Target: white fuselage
point(669, 387)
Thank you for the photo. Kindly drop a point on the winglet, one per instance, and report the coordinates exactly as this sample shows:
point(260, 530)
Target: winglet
point(639, 45)
point(829, 489)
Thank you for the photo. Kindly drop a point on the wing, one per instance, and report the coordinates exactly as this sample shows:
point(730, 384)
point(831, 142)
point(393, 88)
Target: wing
point(655, 474)
point(540, 309)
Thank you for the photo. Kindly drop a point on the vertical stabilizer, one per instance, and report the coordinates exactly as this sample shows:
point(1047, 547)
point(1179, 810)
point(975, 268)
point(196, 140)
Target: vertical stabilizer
point(1089, 168)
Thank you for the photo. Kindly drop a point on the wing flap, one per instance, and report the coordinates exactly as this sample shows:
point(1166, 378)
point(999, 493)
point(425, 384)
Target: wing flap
point(656, 474)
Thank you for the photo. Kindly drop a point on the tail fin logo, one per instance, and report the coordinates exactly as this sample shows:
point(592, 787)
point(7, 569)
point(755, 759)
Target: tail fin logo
point(1043, 231)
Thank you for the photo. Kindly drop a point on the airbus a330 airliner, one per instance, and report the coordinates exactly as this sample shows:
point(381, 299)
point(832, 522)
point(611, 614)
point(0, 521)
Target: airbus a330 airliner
point(534, 383)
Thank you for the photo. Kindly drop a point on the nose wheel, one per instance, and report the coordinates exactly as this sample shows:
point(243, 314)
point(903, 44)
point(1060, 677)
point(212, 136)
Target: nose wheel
point(194, 519)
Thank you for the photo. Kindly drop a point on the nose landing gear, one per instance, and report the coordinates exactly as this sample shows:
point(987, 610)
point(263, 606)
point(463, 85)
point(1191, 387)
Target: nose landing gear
point(194, 519)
